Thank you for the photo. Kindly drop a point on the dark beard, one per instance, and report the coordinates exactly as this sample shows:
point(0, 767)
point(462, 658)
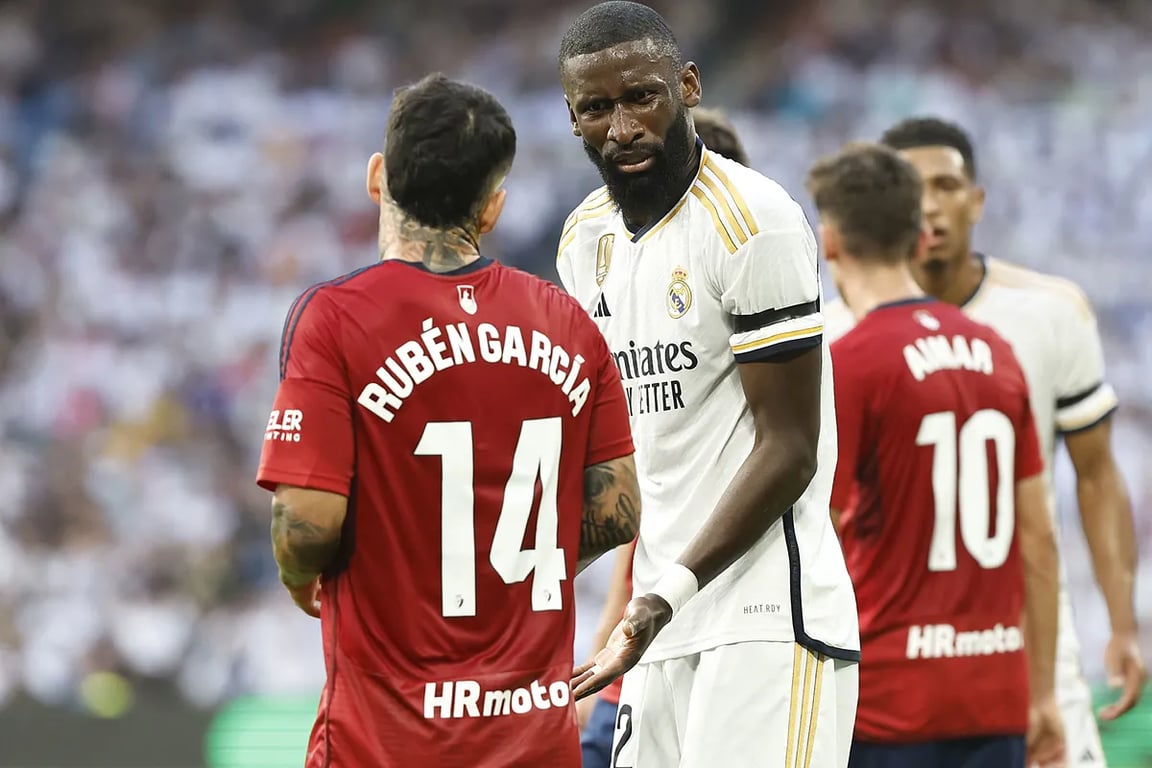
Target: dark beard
point(648, 195)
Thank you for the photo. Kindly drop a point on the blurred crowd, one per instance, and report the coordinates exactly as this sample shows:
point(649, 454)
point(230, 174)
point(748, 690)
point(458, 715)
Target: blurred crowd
point(172, 175)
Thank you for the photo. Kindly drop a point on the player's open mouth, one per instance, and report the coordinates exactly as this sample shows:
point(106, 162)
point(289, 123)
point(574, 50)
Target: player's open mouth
point(936, 236)
point(634, 164)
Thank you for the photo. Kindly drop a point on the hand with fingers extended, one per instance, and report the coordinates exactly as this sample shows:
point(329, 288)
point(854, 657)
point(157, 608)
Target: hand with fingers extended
point(644, 617)
point(1126, 671)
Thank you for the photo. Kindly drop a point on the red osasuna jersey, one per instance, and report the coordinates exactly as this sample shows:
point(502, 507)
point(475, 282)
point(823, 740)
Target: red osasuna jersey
point(457, 412)
point(935, 430)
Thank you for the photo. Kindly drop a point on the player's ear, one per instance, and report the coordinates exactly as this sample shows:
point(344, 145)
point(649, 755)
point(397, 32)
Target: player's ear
point(490, 213)
point(977, 204)
point(830, 243)
point(376, 177)
point(572, 119)
point(690, 90)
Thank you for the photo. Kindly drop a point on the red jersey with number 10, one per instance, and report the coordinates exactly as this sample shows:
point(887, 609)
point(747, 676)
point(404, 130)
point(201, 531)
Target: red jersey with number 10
point(457, 412)
point(935, 430)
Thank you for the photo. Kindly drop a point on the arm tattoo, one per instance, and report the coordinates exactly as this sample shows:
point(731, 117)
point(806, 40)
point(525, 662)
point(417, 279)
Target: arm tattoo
point(440, 250)
point(302, 549)
point(611, 513)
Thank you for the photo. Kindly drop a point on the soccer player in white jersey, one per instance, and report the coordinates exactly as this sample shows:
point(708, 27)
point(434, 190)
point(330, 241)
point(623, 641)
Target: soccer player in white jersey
point(702, 275)
point(597, 714)
point(1052, 329)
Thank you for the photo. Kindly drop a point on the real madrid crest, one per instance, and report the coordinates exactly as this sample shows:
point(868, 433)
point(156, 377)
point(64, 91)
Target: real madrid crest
point(679, 294)
point(603, 257)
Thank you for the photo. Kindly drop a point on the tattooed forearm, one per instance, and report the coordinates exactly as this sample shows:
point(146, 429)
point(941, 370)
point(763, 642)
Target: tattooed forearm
point(440, 250)
point(302, 549)
point(611, 508)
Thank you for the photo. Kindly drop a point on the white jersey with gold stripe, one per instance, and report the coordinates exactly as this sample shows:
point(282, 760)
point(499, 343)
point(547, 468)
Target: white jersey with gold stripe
point(1052, 330)
point(728, 276)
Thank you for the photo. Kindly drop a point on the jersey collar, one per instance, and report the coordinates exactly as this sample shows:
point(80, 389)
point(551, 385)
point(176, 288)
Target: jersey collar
point(467, 269)
point(903, 303)
point(980, 285)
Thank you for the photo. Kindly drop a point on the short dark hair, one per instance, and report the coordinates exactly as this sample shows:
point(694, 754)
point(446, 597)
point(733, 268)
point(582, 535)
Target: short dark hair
point(718, 134)
point(872, 196)
point(916, 132)
point(448, 144)
point(614, 22)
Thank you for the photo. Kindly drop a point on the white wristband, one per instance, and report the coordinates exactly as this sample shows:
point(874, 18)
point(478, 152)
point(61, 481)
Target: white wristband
point(677, 586)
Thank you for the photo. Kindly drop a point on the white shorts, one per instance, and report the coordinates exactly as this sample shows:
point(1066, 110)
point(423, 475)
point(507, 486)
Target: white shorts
point(763, 704)
point(1081, 734)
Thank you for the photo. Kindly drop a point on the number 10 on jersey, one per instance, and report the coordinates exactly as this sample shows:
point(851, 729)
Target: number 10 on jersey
point(960, 481)
point(537, 455)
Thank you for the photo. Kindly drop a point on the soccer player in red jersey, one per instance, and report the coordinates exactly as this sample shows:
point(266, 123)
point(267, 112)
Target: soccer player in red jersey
point(449, 446)
point(938, 497)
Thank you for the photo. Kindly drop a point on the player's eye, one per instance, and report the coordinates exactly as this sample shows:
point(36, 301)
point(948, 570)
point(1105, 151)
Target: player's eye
point(597, 106)
point(644, 97)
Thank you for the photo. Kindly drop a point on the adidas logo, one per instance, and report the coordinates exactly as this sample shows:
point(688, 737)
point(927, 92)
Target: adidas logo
point(602, 308)
point(1088, 757)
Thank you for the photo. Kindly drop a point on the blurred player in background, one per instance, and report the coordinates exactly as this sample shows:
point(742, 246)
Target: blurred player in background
point(718, 134)
point(597, 714)
point(933, 421)
point(432, 409)
point(1052, 329)
point(703, 276)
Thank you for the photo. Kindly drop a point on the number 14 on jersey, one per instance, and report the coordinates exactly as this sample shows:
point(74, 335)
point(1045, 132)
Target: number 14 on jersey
point(537, 456)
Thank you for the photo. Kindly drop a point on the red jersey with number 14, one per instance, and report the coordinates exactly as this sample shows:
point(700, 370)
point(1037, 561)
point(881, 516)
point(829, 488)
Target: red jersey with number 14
point(457, 412)
point(935, 430)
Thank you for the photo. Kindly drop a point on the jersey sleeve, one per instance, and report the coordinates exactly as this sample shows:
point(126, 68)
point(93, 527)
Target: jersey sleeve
point(850, 409)
point(564, 264)
point(771, 288)
point(1084, 397)
point(610, 432)
point(309, 440)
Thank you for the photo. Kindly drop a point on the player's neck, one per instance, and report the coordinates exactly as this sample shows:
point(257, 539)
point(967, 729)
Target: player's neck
point(867, 287)
point(952, 282)
point(440, 250)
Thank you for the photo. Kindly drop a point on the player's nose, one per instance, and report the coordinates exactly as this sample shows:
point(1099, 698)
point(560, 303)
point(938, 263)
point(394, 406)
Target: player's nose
point(623, 127)
point(928, 204)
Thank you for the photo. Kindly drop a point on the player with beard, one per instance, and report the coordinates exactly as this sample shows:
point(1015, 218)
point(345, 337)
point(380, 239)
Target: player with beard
point(1052, 329)
point(597, 715)
point(702, 275)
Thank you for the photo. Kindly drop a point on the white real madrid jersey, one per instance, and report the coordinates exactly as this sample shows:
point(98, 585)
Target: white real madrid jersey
point(728, 276)
point(1052, 330)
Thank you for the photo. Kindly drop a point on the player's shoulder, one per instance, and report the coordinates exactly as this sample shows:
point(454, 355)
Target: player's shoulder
point(1047, 293)
point(317, 312)
point(590, 217)
point(903, 322)
point(319, 299)
point(741, 202)
point(549, 298)
point(354, 280)
point(960, 323)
